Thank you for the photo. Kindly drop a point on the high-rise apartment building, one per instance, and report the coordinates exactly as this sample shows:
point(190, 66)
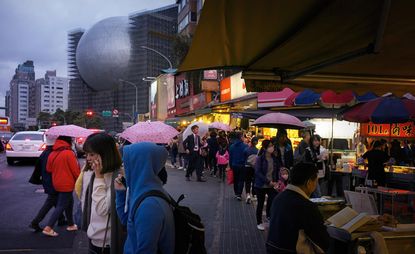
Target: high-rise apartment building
point(20, 86)
point(187, 16)
point(51, 93)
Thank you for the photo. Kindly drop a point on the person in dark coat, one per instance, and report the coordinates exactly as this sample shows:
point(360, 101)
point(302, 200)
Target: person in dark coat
point(237, 164)
point(376, 159)
point(192, 144)
point(283, 149)
point(295, 220)
point(46, 179)
point(267, 168)
point(213, 146)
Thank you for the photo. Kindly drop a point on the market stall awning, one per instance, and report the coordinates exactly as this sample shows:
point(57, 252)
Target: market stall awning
point(274, 99)
point(341, 45)
point(307, 98)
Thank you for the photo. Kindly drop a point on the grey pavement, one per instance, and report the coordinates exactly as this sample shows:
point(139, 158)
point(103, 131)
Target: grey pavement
point(230, 224)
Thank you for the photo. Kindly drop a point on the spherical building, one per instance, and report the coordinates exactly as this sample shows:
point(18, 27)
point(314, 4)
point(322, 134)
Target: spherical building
point(103, 53)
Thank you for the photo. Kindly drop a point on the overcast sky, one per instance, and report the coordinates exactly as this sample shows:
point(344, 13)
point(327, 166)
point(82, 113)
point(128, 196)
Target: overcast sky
point(37, 30)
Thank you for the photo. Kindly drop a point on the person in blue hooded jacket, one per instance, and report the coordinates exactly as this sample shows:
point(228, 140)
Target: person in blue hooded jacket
point(150, 228)
point(237, 164)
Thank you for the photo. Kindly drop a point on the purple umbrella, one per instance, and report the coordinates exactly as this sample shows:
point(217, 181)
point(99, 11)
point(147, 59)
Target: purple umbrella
point(279, 120)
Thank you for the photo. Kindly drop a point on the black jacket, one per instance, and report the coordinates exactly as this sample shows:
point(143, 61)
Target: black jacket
point(45, 176)
point(189, 143)
point(291, 212)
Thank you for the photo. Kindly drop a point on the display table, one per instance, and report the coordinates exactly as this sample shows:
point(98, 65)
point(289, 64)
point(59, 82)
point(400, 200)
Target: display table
point(383, 191)
point(344, 242)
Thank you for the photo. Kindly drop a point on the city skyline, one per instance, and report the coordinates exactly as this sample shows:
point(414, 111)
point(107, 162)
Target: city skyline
point(27, 34)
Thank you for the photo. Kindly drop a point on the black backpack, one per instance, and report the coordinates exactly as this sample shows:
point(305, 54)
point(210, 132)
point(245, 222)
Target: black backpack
point(190, 231)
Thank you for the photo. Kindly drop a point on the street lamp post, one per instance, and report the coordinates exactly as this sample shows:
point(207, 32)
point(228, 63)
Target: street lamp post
point(170, 69)
point(136, 97)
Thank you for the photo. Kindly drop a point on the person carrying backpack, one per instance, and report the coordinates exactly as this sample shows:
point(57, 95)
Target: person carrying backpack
point(250, 154)
point(155, 222)
point(150, 227)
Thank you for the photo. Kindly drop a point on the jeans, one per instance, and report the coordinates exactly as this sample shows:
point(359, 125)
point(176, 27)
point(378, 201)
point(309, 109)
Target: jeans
point(261, 192)
point(183, 160)
point(317, 191)
point(173, 155)
point(65, 203)
point(239, 175)
point(47, 205)
point(213, 164)
point(222, 169)
point(77, 214)
point(249, 180)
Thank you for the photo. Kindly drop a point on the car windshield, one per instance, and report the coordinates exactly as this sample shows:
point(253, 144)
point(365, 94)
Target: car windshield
point(27, 136)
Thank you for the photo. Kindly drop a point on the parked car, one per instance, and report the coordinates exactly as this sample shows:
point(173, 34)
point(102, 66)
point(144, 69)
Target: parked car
point(79, 143)
point(25, 145)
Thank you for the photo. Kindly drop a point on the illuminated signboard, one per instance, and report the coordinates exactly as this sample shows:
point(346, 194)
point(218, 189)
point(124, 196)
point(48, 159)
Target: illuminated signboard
point(394, 130)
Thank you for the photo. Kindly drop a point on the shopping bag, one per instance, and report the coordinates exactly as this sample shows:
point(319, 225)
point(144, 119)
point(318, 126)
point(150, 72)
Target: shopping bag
point(229, 176)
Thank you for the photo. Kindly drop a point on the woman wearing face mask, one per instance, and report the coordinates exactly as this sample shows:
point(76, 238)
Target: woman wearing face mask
point(266, 171)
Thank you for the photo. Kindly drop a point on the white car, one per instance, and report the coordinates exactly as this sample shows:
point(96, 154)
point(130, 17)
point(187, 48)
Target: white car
point(25, 145)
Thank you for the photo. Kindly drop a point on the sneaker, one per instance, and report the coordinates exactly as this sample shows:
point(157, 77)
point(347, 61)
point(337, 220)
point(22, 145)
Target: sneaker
point(253, 198)
point(238, 198)
point(260, 227)
point(181, 167)
point(248, 199)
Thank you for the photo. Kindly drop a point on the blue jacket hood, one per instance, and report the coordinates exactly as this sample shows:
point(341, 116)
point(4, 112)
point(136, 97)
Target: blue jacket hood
point(142, 163)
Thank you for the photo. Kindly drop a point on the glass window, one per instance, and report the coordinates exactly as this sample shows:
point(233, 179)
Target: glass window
point(27, 136)
point(193, 17)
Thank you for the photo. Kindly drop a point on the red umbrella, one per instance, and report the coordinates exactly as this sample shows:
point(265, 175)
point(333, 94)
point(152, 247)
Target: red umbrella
point(388, 109)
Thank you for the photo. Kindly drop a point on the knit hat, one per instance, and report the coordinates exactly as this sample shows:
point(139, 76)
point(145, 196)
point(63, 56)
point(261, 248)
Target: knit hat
point(50, 140)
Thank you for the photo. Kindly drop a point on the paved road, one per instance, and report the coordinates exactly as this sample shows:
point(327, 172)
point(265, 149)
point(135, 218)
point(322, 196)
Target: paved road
point(230, 225)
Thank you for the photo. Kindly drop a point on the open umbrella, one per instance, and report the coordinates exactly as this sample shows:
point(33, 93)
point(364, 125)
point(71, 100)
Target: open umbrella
point(156, 132)
point(68, 130)
point(203, 129)
point(220, 126)
point(389, 109)
point(279, 120)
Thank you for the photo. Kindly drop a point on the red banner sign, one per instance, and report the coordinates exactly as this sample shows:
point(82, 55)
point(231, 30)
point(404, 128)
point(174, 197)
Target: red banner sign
point(394, 130)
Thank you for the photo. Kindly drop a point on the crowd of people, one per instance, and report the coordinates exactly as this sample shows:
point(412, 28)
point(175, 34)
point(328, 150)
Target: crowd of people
point(110, 188)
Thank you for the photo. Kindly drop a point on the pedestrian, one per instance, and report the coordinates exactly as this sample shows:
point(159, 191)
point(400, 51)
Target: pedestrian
point(174, 150)
point(63, 165)
point(376, 164)
point(192, 145)
point(204, 153)
point(250, 154)
point(237, 164)
point(222, 157)
point(266, 176)
point(320, 156)
point(213, 149)
point(283, 149)
point(182, 152)
point(223, 139)
point(296, 223)
point(100, 219)
point(303, 151)
point(46, 179)
point(283, 180)
point(150, 227)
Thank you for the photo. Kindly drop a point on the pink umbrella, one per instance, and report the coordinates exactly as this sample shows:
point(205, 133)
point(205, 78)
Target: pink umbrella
point(279, 120)
point(68, 130)
point(156, 132)
point(220, 126)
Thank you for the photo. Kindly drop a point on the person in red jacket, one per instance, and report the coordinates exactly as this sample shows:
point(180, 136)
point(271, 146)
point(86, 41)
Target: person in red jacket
point(64, 167)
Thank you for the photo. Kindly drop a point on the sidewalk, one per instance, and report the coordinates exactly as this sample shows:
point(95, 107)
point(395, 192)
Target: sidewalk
point(230, 224)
